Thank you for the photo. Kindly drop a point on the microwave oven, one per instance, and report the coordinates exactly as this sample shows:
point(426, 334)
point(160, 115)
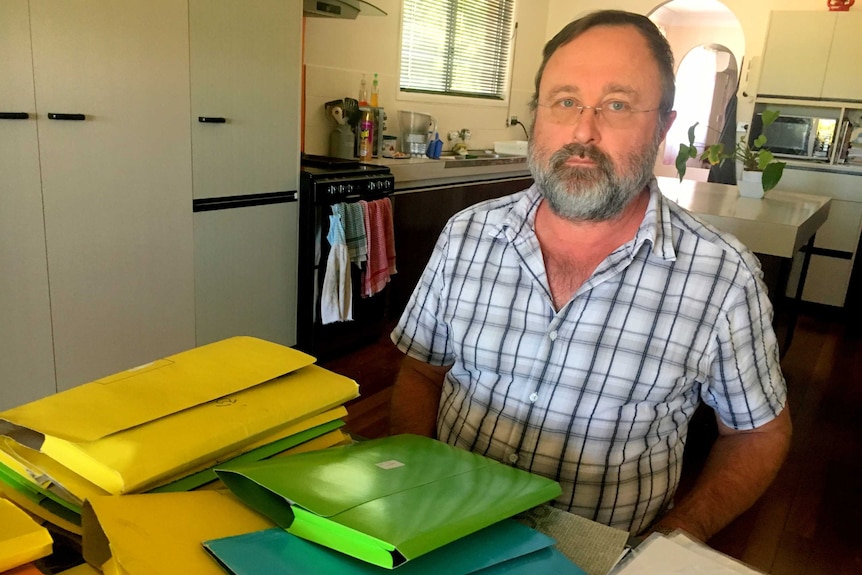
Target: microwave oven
point(797, 137)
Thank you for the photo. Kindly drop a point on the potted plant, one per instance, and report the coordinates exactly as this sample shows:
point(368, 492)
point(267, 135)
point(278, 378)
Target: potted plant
point(760, 170)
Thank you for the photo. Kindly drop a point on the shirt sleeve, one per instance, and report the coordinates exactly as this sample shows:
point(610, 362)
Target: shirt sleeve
point(747, 388)
point(422, 332)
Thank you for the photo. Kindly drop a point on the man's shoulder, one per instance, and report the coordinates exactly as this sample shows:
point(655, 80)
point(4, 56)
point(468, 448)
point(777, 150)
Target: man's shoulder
point(494, 211)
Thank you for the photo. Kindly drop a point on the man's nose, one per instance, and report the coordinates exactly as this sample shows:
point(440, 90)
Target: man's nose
point(586, 129)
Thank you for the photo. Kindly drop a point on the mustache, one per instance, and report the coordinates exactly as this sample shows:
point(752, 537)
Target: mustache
point(561, 156)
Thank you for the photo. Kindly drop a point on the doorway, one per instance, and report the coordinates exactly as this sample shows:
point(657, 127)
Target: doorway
point(708, 59)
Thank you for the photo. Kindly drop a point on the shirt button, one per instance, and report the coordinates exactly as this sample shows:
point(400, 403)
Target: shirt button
point(513, 458)
point(534, 396)
point(553, 335)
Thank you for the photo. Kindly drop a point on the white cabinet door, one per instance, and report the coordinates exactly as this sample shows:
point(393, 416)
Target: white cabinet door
point(116, 186)
point(26, 351)
point(245, 272)
point(843, 79)
point(796, 53)
point(246, 69)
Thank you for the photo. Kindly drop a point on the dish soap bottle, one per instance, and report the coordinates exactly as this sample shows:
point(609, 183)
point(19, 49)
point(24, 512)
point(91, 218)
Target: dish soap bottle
point(363, 92)
point(375, 91)
point(366, 136)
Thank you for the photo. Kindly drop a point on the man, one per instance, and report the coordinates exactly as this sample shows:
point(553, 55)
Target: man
point(573, 328)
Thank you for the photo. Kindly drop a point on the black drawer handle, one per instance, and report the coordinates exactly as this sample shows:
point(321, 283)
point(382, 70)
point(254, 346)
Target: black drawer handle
point(211, 120)
point(14, 115)
point(71, 117)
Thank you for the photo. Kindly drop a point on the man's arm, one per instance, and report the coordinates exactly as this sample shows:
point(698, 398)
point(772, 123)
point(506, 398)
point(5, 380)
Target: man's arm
point(416, 398)
point(739, 468)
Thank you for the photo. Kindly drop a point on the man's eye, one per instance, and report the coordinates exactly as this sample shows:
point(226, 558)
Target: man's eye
point(616, 107)
point(566, 103)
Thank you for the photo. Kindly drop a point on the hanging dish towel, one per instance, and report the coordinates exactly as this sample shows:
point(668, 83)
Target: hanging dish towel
point(353, 220)
point(336, 301)
point(381, 247)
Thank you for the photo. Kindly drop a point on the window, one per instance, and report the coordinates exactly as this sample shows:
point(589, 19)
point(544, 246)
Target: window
point(456, 47)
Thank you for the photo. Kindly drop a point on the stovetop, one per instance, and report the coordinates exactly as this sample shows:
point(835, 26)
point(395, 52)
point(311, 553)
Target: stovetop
point(326, 166)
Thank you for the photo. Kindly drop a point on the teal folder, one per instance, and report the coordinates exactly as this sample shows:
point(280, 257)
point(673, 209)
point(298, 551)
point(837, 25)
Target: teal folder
point(389, 500)
point(507, 547)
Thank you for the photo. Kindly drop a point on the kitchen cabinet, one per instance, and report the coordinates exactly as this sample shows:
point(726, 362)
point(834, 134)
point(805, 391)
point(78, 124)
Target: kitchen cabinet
point(836, 243)
point(245, 71)
point(114, 186)
point(420, 215)
point(26, 354)
point(812, 55)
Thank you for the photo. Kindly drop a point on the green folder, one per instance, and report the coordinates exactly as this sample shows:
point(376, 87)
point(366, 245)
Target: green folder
point(504, 547)
point(387, 501)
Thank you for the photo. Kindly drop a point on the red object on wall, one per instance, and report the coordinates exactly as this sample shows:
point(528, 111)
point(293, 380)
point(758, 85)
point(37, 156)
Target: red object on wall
point(839, 5)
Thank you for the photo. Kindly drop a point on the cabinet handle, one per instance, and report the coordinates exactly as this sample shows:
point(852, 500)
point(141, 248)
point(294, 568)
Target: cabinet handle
point(211, 120)
point(72, 117)
point(14, 115)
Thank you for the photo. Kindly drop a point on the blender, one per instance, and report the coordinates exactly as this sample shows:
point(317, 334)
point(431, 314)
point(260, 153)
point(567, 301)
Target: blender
point(417, 129)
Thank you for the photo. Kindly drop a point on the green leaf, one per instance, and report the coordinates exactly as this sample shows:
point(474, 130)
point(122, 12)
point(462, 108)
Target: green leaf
point(691, 134)
point(769, 116)
point(764, 158)
point(772, 174)
point(759, 141)
point(681, 158)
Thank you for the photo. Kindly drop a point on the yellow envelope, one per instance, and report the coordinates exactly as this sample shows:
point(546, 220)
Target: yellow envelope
point(21, 539)
point(162, 532)
point(214, 399)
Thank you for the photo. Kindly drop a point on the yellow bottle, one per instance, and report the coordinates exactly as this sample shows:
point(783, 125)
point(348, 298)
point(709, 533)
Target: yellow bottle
point(375, 90)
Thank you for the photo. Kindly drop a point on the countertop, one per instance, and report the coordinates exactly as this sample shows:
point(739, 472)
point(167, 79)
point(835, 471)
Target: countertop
point(413, 173)
point(778, 224)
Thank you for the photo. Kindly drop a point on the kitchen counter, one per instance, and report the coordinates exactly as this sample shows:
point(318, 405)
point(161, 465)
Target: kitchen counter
point(412, 173)
point(778, 224)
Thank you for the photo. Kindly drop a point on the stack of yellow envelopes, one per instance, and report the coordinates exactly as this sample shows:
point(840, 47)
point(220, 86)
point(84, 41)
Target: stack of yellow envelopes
point(22, 540)
point(166, 424)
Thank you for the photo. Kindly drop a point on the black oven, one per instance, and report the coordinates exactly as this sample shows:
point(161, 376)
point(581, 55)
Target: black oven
point(326, 181)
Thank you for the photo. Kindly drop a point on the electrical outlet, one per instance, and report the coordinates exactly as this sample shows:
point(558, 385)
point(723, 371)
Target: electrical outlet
point(513, 120)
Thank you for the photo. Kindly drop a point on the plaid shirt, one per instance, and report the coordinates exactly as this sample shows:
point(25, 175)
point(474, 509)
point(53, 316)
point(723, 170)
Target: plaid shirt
point(597, 395)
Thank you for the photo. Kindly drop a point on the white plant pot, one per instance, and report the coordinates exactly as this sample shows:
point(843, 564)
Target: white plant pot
point(751, 184)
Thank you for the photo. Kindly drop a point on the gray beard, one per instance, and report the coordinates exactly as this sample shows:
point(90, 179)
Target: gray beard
point(594, 194)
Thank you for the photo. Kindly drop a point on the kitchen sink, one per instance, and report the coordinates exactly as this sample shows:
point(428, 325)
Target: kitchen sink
point(479, 158)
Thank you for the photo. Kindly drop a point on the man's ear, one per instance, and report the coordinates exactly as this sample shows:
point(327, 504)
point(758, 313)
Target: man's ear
point(667, 124)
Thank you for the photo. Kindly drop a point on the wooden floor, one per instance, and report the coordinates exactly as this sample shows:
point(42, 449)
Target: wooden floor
point(810, 520)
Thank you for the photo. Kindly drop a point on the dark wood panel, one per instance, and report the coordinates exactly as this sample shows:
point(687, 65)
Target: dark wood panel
point(419, 218)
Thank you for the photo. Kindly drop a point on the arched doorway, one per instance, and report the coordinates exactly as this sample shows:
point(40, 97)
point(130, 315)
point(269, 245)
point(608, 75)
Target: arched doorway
point(708, 46)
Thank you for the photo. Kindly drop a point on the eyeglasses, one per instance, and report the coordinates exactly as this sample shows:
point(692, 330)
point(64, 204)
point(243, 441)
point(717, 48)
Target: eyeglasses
point(614, 114)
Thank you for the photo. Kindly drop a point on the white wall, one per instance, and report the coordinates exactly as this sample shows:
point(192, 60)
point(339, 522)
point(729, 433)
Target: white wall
point(753, 16)
point(338, 52)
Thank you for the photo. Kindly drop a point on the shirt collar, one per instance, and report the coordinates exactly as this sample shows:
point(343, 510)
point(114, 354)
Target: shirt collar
point(655, 228)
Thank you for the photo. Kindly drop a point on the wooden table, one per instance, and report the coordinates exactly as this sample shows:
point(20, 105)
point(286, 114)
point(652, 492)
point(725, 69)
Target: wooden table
point(779, 224)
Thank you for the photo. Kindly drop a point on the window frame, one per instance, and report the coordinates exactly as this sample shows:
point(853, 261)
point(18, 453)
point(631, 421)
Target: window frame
point(452, 97)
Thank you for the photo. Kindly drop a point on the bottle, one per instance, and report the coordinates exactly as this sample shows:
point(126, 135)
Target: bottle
point(375, 91)
point(366, 136)
point(363, 92)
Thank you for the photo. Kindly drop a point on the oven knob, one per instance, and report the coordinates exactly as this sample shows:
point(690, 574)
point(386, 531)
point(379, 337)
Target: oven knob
point(342, 189)
point(331, 189)
point(372, 185)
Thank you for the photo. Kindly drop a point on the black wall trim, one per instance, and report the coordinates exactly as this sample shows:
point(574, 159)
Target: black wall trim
point(836, 101)
point(230, 202)
point(823, 168)
point(841, 255)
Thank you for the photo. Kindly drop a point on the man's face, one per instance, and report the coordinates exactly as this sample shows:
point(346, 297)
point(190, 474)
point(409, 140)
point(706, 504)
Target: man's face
point(591, 166)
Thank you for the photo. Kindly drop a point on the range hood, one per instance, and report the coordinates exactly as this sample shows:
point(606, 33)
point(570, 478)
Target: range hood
point(349, 9)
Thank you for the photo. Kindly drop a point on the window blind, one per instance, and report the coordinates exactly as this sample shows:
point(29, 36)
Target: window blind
point(456, 47)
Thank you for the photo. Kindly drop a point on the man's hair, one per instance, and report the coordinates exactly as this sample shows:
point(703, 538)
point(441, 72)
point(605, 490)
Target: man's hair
point(658, 45)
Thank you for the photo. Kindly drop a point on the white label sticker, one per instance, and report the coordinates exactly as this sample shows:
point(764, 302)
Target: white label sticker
point(391, 464)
